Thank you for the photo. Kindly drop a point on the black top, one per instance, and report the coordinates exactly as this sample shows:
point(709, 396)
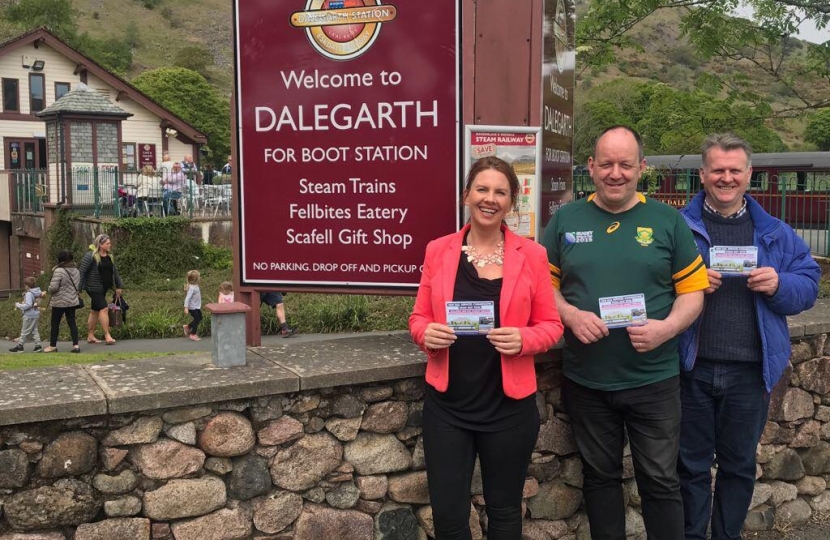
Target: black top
point(729, 325)
point(475, 396)
point(105, 270)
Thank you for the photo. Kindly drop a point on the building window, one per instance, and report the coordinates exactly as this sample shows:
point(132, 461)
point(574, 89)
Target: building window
point(11, 97)
point(37, 93)
point(61, 89)
point(128, 159)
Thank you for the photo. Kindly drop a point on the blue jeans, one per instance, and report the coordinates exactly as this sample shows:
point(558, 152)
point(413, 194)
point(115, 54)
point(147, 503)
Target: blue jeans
point(651, 416)
point(724, 412)
point(169, 205)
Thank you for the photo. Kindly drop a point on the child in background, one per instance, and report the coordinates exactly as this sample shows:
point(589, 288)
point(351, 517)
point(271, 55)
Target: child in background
point(226, 292)
point(193, 305)
point(31, 315)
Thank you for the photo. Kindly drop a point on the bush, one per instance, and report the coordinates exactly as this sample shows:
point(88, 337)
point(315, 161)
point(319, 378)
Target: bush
point(145, 248)
point(216, 257)
point(194, 57)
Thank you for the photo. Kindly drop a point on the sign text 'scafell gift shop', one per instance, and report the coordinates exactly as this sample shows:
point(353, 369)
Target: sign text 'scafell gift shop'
point(348, 117)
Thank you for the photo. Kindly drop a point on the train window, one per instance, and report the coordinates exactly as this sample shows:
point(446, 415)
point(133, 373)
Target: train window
point(791, 181)
point(759, 181)
point(821, 181)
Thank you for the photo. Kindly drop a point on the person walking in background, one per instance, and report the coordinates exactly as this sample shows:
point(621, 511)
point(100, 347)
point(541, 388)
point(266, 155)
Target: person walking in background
point(64, 287)
point(619, 248)
point(98, 276)
point(481, 387)
point(275, 300)
point(193, 305)
point(30, 314)
point(735, 352)
point(225, 292)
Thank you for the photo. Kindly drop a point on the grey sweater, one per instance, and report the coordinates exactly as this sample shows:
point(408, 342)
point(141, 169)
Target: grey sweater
point(91, 277)
point(64, 287)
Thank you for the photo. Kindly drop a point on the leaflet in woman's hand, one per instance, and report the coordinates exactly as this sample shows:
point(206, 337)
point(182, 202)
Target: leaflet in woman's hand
point(471, 318)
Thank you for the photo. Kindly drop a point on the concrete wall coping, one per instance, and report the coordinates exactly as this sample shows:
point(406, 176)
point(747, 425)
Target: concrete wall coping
point(54, 393)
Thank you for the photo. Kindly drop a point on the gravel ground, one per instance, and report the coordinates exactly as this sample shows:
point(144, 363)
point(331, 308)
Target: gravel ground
point(806, 531)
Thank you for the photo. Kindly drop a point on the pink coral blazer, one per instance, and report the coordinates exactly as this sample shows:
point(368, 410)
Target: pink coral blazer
point(526, 302)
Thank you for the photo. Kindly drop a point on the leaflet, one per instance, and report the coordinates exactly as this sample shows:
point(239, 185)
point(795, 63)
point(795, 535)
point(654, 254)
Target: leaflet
point(471, 318)
point(622, 311)
point(733, 260)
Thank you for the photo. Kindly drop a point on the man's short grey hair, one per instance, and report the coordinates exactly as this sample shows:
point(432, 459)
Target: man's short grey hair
point(726, 142)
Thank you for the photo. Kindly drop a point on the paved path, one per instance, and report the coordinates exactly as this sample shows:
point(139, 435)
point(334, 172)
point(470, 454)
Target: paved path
point(183, 344)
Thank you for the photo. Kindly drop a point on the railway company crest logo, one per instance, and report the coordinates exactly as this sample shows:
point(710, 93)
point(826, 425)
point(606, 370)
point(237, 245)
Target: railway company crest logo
point(343, 29)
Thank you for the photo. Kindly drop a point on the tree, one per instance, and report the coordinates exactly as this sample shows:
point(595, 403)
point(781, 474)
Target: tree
point(194, 100)
point(670, 121)
point(765, 41)
point(194, 57)
point(818, 130)
point(57, 16)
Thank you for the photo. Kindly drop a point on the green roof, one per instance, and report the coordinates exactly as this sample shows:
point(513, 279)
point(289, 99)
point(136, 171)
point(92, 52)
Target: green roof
point(84, 100)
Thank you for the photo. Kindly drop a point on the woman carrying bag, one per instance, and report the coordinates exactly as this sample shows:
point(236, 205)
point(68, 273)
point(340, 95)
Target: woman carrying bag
point(98, 275)
point(64, 300)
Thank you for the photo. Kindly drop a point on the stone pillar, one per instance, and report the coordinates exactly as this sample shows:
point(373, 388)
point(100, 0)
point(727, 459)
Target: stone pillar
point(227, 328)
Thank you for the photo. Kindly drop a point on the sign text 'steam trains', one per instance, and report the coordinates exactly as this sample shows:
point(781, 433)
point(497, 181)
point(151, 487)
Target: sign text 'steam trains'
point(357, 186)
point(343, 116)
point(349, 237)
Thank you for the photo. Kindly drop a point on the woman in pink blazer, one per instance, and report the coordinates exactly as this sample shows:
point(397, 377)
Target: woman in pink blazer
point(480, 398)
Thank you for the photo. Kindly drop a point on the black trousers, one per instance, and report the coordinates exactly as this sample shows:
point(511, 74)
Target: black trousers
point(197, 318)
point(651, 416)
point(57, 315)
point(450, 454)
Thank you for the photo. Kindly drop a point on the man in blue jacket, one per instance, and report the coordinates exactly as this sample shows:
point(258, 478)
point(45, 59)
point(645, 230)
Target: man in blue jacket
point(739, 347)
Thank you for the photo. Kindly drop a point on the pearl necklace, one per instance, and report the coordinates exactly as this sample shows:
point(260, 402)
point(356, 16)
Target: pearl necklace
point(474, 257)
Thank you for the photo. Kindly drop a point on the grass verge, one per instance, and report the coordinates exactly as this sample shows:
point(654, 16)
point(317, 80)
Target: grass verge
point(28, 360)
point(157, 311)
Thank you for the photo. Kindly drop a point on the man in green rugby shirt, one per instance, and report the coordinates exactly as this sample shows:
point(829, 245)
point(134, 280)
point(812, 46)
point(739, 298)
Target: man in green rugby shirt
point(628, 279)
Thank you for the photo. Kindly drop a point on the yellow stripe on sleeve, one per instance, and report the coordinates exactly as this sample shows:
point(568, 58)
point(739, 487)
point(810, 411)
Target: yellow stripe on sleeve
point(555, 275)
point(698, 280)
point(689, 269)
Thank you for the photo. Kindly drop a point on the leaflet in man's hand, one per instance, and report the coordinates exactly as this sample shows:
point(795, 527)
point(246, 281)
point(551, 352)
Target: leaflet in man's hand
point(471, 318)
point(622, 311)
point(733, 260)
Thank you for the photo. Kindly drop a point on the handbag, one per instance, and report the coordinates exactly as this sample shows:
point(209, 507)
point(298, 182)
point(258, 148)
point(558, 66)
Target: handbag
point(80, 298)
point(115, 316)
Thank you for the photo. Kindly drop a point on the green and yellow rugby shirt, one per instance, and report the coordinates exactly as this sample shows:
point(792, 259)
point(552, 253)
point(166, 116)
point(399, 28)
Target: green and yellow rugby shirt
point(593, 253)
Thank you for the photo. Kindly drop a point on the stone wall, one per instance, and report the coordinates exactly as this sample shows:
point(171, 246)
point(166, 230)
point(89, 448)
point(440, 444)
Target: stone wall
point(343, 462)
point(81, 142)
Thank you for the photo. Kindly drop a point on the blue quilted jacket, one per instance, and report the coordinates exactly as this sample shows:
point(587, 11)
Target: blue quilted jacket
point(798, 277)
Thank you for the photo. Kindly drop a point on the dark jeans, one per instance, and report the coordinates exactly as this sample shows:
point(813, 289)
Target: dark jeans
point(57, 314)
point(651, 416)
point(724, 412)
point(450, 454)
point(197, 318)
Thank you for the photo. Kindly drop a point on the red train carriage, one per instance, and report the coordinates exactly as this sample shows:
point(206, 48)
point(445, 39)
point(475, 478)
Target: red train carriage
point(794, 187)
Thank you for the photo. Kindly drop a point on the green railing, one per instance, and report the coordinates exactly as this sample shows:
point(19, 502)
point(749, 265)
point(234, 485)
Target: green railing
point(802, 200)
point(109, 192)
point(29, 189)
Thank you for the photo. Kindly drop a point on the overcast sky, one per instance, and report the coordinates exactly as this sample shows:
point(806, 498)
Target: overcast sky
point(807, 31)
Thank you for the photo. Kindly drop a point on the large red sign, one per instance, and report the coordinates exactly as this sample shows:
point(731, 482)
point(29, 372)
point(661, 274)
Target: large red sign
point(348, 117)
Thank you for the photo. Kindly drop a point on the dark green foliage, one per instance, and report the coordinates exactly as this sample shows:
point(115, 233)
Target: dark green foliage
point(190, 96)
point(112, 53)
point(57, 16)
point(60, 237)
point(150, 4)
point(194, 57)
point(145, 248)
point(132, 36)
point(818, 130)
point(216, 257)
